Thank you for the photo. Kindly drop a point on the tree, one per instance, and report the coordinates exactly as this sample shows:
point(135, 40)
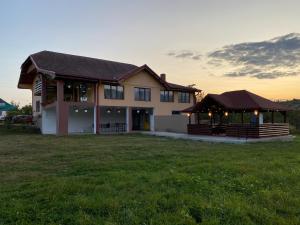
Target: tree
point(24, 110)
point(200, 96)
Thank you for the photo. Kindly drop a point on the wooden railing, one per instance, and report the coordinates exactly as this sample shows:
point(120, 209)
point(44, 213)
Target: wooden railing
point(257, 131)
point(203, 129)
point(241, 130)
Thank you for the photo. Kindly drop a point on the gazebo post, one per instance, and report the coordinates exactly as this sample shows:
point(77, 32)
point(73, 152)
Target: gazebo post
point(284, 117)
point(242, 117)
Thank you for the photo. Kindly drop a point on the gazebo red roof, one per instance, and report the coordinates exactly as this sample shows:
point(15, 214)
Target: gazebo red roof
point(241, 100)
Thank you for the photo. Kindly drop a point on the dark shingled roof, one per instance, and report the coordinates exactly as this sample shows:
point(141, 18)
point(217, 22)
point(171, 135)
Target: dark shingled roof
point(73, 66)
point(80, 66)
point(239, 101)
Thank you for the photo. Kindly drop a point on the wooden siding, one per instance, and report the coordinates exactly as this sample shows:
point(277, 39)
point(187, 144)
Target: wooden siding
point(244, 130)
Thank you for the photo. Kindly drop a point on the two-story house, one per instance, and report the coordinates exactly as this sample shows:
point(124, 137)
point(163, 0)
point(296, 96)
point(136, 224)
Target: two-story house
point(76, 94)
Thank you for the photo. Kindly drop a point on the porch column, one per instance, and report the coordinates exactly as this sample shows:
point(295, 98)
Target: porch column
point(128, 119)
point(198, 117)
point(62, 110)
point(272, 116)
point(96, 110)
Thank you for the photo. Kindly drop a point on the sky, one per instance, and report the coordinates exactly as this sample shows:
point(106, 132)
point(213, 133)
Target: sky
point(217, 45)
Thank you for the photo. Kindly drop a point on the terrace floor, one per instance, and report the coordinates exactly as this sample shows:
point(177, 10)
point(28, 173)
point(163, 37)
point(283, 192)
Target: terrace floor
point(218, 139)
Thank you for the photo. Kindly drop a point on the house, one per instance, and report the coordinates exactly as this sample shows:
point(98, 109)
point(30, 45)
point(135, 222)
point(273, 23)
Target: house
point(4, 107)
point(239, 114)
point(76, 94)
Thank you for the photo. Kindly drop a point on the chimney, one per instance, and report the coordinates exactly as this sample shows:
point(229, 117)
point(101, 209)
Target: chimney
point(163, 76)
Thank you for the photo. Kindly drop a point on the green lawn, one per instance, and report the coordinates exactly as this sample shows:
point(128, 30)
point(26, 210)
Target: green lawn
point(136, 179)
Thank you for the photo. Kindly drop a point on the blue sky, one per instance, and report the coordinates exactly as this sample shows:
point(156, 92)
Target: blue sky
point(154, 33)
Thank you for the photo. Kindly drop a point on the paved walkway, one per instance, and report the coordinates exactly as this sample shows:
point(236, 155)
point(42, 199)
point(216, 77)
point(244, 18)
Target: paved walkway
point(218, 139)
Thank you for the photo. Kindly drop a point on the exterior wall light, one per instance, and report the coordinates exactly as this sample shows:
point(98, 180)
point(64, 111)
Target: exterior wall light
point(76, 110)
point(209, 114)
point(108, 111)
point(255, 112)
point(85, 110)
point(226, 113)
point(119, 111)
point(137, 111)
point(188, 114)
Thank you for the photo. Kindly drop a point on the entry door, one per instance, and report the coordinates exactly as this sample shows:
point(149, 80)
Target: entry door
point(136, 120)
point(140, 119)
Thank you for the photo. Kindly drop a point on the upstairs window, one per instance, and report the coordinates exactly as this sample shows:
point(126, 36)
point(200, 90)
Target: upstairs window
point(183, 97)
point(142, 94)
point(166, 96)
point(37, 106)
point(113, 91)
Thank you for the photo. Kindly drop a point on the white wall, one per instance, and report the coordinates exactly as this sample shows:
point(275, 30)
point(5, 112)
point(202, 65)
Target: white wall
point(49, 121)
point(81, 122)
point(3, 113)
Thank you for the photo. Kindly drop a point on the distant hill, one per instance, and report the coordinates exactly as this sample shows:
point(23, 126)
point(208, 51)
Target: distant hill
point(294, 104)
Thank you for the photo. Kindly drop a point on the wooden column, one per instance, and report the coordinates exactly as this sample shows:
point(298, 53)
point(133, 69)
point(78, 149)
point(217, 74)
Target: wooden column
point(62, 110)
point(242, 117)
point(284, 117)
point(44, 90)
point(272, 116)
point(198, 117)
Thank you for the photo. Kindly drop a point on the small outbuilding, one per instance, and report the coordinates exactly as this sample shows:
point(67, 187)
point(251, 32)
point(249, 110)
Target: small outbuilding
point(238, 114)
point(4, 107)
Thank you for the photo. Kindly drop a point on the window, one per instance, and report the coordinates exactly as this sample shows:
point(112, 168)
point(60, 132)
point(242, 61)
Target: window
point(37, 106)
point(184, 97)
point(38, 87)
point(174, 112)
point(113, 91)
point(166, 96)
point(142, 94)
point(78, 92)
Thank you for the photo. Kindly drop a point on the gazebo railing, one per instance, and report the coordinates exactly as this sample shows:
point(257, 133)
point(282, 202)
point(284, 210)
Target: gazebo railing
point(246, 130)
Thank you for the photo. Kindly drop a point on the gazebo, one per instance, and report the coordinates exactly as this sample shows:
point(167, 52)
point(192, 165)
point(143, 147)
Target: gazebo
point(238, 114)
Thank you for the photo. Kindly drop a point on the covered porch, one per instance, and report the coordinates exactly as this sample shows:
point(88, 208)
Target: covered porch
point(238, 114)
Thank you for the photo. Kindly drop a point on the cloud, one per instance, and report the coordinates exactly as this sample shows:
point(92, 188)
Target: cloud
point(185, 54)
point(263, 75)
point(271, 59)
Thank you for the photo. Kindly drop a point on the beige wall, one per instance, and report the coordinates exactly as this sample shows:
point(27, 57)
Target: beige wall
point(145, 80)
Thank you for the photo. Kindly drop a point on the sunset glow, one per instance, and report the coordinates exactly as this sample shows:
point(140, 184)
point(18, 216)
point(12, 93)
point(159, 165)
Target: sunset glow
point(217, 45)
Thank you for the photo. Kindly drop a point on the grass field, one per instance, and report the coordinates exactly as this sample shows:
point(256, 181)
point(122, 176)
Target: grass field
point(136, 179)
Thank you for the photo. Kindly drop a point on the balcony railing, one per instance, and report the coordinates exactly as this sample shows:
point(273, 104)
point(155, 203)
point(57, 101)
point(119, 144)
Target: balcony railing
point(113, 127)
